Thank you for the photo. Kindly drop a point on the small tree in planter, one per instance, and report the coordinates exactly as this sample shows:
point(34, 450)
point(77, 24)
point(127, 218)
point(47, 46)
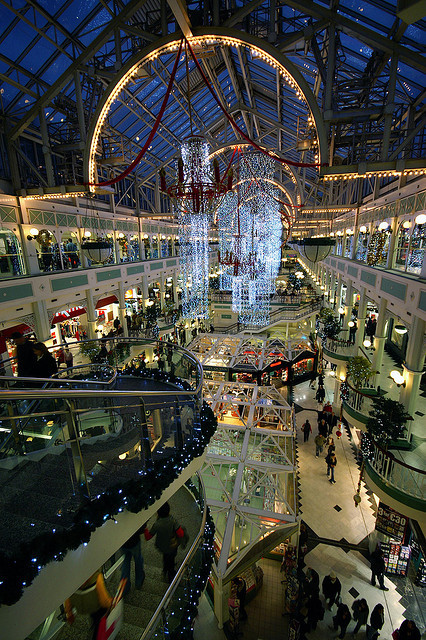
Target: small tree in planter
point(89, 349)
point(387, 421)
point(359, 371)
point(330, 324)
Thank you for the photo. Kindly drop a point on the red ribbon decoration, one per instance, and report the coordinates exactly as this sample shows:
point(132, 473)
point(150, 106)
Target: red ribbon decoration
point(240, 131)
point(144, 149)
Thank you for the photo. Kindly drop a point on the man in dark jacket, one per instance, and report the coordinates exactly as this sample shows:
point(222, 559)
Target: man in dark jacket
point(132, 549)
point(341, 619)
point(25, 355)
point(360, 613)
point(331, 588)
point(377, 564)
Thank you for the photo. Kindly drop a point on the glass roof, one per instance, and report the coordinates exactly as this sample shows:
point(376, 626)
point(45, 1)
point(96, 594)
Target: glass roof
point(75, 47)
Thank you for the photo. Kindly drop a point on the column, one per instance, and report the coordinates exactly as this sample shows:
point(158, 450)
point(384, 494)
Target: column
point(348, 310)
point(379, 338)
point(340, 376)
point(91, 316)
point(122, 309)
point(412, 371)
point(42, 326)
point(362, 314)
point(392, 241)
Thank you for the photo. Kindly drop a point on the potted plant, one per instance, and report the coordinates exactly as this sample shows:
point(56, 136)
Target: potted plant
point(359, 371)
point(387, 421)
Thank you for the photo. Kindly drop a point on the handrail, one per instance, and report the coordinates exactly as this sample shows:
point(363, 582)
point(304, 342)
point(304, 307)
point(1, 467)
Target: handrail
point(55, 379)
point(389, 454)
point(176, 580)
point(142, 342)
point(408, 480)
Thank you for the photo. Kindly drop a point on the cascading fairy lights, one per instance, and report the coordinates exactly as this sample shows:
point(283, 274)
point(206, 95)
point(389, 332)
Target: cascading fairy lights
point(250, 230)
point(196, 195)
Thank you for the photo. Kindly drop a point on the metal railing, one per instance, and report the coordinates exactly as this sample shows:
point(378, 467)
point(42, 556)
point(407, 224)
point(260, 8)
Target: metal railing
point(359, 401)
point(296, 313)
point(398, 474)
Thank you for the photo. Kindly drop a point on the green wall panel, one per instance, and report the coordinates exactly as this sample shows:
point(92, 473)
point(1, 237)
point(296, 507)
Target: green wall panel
point(137, 269)
point(170, 263)
point(156, 265)
point(422, 301)
point(353, 271)
point(69, 282)
point(16, 292)
point(369, 278)
point(396, 289)
point(108, 274)
point(341, 266)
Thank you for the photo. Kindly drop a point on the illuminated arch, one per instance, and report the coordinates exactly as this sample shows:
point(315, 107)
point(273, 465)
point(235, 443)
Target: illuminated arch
point(208, 36)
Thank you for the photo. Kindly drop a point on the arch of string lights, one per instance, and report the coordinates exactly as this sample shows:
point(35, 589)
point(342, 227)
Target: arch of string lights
point(134, 70)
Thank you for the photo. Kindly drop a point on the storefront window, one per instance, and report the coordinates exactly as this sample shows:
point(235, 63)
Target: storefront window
point(379, 245)
point(349, 241)
point(176, 247)
point(70, 249)
point(154, 248)
point(402, 245)
point(339, 245)
point(48, 252)
point(11, 263)
point(147, 248)
point(416, 253)
point(164, 248)
point(362, 244)
point(134, 248)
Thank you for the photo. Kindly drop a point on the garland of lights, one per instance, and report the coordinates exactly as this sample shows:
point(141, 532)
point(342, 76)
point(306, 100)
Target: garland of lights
point(18, 571)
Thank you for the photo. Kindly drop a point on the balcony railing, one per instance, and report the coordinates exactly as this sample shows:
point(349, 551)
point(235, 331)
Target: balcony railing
point(361, 401)
point(293, 314)
point(396, 473)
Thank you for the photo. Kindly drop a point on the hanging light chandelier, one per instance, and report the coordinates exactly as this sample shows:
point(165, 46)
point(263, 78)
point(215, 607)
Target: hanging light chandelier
point(197, 190)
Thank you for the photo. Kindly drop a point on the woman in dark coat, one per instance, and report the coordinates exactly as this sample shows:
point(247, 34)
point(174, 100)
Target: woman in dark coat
point(45, 365)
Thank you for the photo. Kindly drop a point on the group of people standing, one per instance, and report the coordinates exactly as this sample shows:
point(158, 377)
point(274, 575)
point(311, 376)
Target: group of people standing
point(34, 360)
point(324, 438)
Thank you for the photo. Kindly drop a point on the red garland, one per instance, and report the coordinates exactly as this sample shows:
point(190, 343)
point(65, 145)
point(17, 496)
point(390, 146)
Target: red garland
point(142, 152)
point(240, 131)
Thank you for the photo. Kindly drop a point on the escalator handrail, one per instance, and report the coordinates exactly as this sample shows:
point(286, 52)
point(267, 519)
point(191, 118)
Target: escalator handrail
point(176, 580)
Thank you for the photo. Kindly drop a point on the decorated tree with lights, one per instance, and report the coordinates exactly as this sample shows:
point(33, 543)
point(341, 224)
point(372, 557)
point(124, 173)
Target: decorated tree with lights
point(387, 421)
point(359, 371)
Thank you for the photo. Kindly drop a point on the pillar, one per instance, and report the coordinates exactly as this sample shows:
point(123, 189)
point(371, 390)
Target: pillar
point(91, 316)
point(340, 376)
point(379, 338)
point(412, 371)
point(122, 309)
point(348, 307)
point(392, 242)
point(362, 313)
point(42, 326)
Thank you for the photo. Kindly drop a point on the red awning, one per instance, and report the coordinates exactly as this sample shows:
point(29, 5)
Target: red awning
point(103, 302)
point(23, 328)
point(74, 312)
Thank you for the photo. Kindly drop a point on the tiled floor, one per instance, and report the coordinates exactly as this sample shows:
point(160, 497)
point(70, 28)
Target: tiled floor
point(330, 512)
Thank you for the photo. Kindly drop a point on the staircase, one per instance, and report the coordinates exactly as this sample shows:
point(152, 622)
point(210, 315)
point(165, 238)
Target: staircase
point(140, 605)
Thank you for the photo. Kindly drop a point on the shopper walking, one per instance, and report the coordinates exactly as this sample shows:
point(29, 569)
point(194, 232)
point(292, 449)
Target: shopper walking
point(331, 461)
point(307, 430)
point(45, 365)
point(24, 354)
point(407, 631)
point(322, 428)
point(315, 612)
point(341, 619)
point(132, 549)
point(320, 395)
point(377, 620)
point(377, 564)
point(168, 533)
point(331, 588)
point(360, 613)
point(319, 444)
point(68, 357)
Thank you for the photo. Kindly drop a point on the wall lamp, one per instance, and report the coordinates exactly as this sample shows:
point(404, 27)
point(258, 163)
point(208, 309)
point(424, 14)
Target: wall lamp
point(398, 378)
point(399, 328)
point(33, 234)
